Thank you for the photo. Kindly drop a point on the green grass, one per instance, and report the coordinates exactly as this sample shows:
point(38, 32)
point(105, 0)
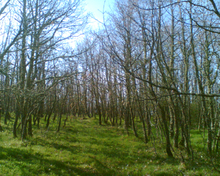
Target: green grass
point(85, 148)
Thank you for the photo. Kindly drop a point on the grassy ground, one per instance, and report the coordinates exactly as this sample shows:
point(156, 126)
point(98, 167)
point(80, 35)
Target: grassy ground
point(85, 148)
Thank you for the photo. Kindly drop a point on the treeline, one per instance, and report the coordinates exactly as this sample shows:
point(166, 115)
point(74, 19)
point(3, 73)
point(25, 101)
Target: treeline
point(153, 62)
point(35, 37)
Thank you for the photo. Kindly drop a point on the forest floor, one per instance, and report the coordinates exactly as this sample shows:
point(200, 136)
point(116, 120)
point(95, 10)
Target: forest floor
point(83, 147)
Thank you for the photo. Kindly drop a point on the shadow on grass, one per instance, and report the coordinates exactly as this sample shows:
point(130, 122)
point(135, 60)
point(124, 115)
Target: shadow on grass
point(27, 162)
point(94, 145)
point(97, 143)
point(89, 150)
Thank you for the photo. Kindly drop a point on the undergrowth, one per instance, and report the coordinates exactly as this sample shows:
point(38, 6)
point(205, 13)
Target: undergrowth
point(83, 147)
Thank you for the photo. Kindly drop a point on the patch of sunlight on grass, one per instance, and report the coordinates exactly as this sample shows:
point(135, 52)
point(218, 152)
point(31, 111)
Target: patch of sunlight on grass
point(85, 148)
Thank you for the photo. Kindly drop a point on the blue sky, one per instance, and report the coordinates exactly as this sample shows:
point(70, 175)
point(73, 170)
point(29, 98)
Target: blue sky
point(96, 7)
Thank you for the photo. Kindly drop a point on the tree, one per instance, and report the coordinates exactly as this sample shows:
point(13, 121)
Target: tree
point(41, 30)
